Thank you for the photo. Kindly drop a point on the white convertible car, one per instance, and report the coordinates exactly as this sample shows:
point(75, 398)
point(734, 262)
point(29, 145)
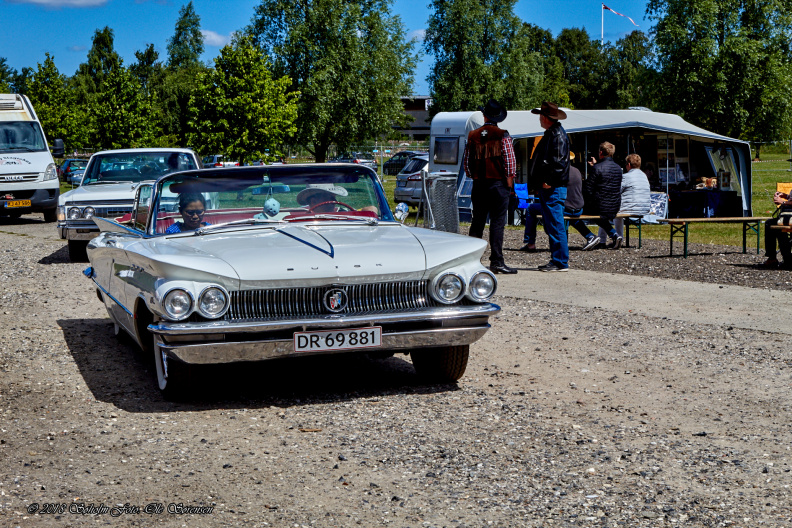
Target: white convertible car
point(255, 263)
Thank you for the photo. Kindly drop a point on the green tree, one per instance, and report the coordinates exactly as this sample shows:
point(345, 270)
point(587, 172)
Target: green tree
point(584, 68)
point(238, 109)
point(21, 80)
point(629, 78)
point(348, 60)
point(725, 65)
point(102, 59)
point(554, 86)
point(7, 74)
point(123, 115)
point(147, 69)
point(481, 51)
point(47, 92)
point(187, 43)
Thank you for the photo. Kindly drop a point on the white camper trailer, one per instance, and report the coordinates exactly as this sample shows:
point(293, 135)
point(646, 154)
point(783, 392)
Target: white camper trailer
point(704, 174)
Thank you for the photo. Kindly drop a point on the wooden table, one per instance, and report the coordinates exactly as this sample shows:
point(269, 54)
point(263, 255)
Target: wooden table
point(679, 227)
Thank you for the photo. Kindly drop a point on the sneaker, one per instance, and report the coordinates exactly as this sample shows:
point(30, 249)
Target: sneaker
point(528, 248)
point(617, 241)
point(543, 266)
point(591, 242)
point(552, 266)
point(770, 263)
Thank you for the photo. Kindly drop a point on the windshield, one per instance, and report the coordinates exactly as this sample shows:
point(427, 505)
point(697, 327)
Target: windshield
point(21, 136)
point(135, 166)
point(268, 195)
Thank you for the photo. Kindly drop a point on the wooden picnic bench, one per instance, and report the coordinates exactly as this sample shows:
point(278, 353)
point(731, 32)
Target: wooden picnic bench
point(630, 221)
point(679, 227)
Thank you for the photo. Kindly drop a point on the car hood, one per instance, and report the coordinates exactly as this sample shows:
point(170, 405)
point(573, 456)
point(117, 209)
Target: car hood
point(305, 256)
point(100, 192)
point(24, 162)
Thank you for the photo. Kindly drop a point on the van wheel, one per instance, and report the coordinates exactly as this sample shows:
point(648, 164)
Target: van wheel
point(50, 215)
point(444, 364)
point(78, 250)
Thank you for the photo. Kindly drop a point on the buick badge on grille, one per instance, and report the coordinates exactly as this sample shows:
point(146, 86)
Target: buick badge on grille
point(335, 300)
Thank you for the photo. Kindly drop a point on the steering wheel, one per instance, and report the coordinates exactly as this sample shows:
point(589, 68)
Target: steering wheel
point(348, 207)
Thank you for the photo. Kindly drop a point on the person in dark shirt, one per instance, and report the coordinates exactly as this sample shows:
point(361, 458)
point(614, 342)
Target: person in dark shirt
point(489, 161)
point(550, 172)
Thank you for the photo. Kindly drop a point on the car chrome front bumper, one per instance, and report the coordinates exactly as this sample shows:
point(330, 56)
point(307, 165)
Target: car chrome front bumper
point(233, 341)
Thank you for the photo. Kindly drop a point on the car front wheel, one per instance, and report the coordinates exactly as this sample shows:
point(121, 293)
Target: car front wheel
point(444, 364)
point(78, 250)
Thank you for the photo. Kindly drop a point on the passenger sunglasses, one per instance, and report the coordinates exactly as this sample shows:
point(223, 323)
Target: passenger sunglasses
point(195, 212)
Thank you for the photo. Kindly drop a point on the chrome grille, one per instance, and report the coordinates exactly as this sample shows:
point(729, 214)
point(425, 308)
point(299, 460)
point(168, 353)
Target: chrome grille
point(18, 178)
point(301, 302)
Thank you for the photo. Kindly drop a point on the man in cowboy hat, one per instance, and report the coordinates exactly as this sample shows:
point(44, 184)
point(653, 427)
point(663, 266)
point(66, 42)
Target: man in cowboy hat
point(489, 161)
point(550, 172)
point(321, 197)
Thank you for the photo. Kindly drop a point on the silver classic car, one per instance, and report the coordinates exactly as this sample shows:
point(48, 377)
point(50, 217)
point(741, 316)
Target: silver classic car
point(255, 263)
point(108, 189)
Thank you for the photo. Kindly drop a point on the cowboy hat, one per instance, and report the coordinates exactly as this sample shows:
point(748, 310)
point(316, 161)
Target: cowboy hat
point(303, 197)
point(550, 110)
point(493, 111)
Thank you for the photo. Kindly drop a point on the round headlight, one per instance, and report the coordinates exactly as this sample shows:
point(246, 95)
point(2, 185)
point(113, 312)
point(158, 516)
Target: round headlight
point(213, 302)
point(74, 213)
point(482, 286)
point(177, 304)
point(449, 288)
point(88, 212)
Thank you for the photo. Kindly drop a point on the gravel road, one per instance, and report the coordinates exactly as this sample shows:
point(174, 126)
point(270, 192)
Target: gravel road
point(569, 415)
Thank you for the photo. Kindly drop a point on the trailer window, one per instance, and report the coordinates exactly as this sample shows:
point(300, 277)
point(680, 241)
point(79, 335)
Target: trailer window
point(446, 150)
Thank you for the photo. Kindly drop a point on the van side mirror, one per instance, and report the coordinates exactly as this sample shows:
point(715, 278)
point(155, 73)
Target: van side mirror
point(57, 148)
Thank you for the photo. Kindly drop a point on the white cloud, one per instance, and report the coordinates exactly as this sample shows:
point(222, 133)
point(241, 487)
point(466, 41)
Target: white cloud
point(76, 49)
point(215, 39)
point(418, 34)
point(62, 3)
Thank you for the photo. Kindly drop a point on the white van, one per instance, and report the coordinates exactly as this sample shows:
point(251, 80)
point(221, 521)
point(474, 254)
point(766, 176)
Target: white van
point(28, 174)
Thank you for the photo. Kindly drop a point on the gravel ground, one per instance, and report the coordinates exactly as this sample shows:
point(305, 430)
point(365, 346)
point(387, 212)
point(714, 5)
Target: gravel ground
point(567, 417)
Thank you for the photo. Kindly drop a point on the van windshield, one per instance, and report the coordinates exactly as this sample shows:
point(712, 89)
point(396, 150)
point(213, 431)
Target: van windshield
point(21, 136)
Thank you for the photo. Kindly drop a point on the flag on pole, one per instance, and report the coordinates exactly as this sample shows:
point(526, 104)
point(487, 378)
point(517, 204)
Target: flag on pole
point(625, 16)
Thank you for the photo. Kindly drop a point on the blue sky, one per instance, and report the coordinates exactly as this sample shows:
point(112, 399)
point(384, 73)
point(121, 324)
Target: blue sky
point(64, 28)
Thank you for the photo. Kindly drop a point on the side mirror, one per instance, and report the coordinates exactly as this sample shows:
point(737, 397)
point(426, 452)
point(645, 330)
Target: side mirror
point(401, 212)
point(58, 148)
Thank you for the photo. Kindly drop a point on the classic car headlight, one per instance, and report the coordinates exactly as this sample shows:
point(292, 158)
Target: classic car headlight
point(74, 213)
point(449, 288)
point(482, 286)
point(51, 173)
point(177, 304)
point(213, 302)
point(89, 212)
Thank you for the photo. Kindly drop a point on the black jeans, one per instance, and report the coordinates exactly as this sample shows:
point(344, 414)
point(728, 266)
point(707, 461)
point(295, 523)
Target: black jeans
point(490, 197)
point(773, 237)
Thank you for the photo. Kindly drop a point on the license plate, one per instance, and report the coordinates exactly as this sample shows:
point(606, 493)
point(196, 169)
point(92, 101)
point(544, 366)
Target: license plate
point(401, 184)
point(338, 339)
point(17, 203)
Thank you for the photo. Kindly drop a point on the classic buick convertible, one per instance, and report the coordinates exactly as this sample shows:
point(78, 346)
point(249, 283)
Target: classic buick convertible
point(255, 263)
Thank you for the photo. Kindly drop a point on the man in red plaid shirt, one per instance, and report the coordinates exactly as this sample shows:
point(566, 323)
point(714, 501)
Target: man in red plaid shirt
point(489, 161)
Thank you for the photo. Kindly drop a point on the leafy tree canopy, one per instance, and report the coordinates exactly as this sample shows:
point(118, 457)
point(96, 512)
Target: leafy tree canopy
point(348, 59)
point(238, 109)
point(187, 43)
point(476, 60)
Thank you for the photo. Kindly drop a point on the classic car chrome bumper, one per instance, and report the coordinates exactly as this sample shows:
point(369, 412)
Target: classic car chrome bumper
point(230, 341)
point(85, 231)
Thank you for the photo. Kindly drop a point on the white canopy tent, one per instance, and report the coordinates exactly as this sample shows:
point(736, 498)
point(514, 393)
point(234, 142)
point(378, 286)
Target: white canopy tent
point(449, 131)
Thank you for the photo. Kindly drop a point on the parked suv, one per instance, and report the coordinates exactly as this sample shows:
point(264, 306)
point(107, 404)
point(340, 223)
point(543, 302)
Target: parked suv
point(397, 162)
point(408, 181)
point(69, 169)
